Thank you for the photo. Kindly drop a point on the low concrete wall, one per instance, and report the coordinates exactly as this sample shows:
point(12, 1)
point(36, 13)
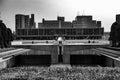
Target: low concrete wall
point(87, 60)
point(72, 59)
point(37, 52)
point(109, 62)
point(116, 63)
point(6, 63)
point(33, 60)
point(11, 62)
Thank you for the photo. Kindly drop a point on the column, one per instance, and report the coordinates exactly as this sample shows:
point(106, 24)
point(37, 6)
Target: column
point(54, 56)
point(66, 56)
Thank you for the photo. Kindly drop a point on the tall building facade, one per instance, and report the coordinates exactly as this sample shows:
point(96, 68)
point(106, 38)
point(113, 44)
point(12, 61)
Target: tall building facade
point(20, 21)
point(59, 23)
point(85, 22)
point(32, 21)
point(24, 21)
point(27, 21)
point(83, 27)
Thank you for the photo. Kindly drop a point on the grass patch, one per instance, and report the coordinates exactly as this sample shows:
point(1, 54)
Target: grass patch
point(48, 73)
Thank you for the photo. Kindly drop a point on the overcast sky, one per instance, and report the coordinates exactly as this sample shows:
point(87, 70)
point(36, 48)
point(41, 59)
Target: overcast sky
point(101, 10)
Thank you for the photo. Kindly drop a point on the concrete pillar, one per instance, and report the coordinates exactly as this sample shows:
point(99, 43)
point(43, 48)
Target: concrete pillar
point(66, 57)
point(54, 56)
point(116, 63)
point(10, 62)
point(109, 62)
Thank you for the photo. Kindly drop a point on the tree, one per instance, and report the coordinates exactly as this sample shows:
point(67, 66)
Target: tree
point(4, 34)
point(9, 36)
point(114, 34)
point(1, 39)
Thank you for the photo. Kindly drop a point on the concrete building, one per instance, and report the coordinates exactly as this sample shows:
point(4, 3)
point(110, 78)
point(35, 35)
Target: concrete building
point(83, 27)
point(27, 21)
point(32, 21)
point(85, 22)
point(20, 21)
point(59, 23)
point(106, 36)
point(24, 21)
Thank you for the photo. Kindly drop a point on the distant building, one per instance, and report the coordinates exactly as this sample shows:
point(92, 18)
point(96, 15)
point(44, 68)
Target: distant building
point(20, 21)
point(85, 22)
point(83, 27)
point(27, 21)
point(40, 25)
point(106, 36)
point(32, 21)
point(59, 23)
point(24, 21)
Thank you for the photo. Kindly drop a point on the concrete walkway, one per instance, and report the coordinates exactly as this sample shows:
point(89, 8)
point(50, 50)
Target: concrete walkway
point(61, 66)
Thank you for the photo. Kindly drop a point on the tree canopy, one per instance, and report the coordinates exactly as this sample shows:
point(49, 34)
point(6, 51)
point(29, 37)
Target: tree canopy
point(115, 34)
point(5, 35)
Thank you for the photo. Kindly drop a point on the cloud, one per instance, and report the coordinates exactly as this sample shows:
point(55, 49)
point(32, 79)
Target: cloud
point(1, 2)
point(104, 10)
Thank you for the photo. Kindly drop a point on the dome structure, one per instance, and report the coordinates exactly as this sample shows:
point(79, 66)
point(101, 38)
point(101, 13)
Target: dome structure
point(60, 39)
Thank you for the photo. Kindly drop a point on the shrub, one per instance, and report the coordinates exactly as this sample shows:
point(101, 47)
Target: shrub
point(48, 73)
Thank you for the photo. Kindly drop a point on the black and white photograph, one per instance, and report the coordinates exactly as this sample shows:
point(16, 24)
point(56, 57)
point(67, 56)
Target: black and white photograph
point(59, 40)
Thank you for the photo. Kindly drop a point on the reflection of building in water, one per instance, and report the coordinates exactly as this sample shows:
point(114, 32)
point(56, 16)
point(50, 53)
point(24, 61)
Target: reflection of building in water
point(83, 27)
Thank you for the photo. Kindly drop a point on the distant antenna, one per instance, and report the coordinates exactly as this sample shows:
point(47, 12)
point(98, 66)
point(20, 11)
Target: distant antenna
point(57, 14)
point(83, 13)
point(78, 13)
